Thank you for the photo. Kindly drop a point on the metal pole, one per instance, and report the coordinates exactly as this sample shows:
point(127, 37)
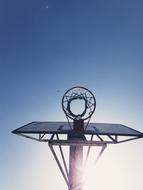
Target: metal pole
point(76, 157)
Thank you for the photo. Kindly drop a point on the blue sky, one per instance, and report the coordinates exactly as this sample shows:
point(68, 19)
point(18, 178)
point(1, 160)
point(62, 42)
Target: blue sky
point(47, 47)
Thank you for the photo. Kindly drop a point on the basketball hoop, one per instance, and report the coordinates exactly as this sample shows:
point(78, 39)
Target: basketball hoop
point(80, 94)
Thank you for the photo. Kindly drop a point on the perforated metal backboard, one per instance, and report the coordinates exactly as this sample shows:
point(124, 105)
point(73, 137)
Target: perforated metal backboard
point(112, 131)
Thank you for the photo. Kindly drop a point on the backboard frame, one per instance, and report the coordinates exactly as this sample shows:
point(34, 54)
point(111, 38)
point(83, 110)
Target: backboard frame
point(98, 138)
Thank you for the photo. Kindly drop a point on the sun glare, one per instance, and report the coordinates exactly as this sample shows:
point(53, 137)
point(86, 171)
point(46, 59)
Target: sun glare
point(95, 171)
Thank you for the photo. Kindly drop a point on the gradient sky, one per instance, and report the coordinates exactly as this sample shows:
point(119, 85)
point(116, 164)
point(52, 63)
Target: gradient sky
point(49, 46)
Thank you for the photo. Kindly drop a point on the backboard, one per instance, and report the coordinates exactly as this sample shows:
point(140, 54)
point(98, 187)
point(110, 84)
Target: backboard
point(99, 132)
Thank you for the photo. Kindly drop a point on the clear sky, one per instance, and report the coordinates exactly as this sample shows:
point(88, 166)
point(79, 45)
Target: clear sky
point(49, 46)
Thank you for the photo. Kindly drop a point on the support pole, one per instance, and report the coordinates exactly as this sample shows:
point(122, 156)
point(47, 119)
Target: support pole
point(59, 165)
point(76, 157)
